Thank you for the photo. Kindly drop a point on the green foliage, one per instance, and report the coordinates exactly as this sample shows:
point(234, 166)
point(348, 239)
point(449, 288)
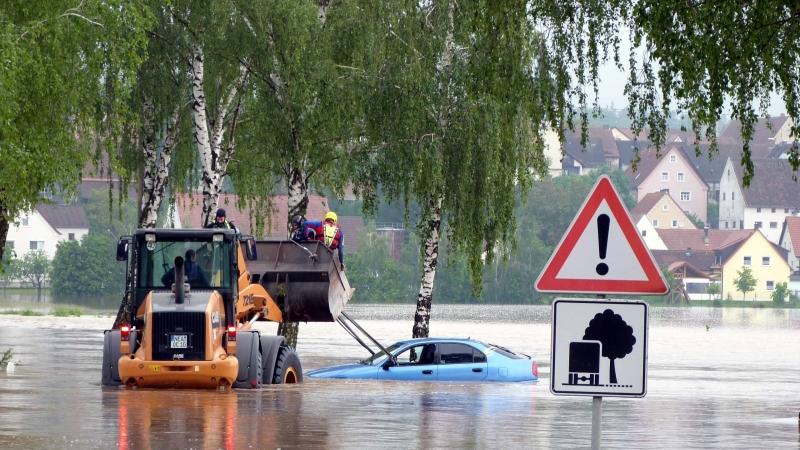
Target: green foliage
point(88, 267)
point(714, 290)
point(713, 214)
point(695, 220)
point(376, 276)
point(745, 281)
point(64, 311)
point(23, 312)
point(34, 269)
point(780, 293)
point(65, 73)
point(6, 358)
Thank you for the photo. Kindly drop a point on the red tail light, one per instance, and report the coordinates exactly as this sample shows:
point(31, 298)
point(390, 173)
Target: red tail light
point(231, 333)
point(125, 332)
point(535, 369)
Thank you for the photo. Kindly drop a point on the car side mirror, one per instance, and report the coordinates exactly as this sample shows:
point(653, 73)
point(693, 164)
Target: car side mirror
point(391, 361)
point(122, 249)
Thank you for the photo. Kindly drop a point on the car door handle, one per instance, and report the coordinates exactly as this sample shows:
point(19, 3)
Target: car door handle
point(477, 369)
point(427, 372)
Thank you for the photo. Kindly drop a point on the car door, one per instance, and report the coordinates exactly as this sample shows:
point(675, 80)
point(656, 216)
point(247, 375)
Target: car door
point(461, 362)
point(417, 362)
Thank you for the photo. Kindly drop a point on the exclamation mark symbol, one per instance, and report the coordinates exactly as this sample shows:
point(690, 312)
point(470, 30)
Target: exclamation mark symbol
point(603, 222)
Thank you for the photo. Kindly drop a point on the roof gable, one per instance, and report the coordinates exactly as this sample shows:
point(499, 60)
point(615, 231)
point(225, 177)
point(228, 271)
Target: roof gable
point(63, 216)
point(755, 238)
point(791, 227)
point(650, 161)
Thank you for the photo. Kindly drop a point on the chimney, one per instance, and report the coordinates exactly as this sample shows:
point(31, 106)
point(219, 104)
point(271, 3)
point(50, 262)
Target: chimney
point(705, 234)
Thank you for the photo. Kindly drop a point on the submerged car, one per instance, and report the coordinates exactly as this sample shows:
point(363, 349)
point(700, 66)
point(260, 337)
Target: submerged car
point(429, 359)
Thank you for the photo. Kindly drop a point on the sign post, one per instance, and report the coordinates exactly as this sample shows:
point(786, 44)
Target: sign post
point(599, 347)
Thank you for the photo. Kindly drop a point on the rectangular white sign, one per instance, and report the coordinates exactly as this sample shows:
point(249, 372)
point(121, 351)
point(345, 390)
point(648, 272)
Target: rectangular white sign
point(599, 348)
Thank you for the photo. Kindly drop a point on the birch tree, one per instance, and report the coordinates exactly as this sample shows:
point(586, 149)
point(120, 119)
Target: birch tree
point(66, 73)
point(305, 115)
point(458, 136)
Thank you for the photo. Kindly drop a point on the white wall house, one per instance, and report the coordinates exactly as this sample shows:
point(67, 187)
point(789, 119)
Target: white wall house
point(648, 233)
point(44, 227)
point(764, 205)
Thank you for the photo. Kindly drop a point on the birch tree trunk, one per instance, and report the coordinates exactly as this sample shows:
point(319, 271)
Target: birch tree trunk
point(422, 317)
point(208, 136)
point(297, 206)
point(4, 225)
point(156, 169)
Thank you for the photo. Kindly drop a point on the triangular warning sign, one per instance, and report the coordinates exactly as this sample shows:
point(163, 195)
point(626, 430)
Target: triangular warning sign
point(601, 252)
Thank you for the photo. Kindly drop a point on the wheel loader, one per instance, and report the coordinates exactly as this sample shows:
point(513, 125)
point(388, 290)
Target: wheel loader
point(194, 295)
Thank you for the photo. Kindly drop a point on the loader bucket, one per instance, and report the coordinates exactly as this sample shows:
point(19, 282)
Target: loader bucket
point(303, 278)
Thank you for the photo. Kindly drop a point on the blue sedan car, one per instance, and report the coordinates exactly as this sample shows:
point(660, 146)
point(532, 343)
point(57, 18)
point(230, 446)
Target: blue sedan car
point(439, 359)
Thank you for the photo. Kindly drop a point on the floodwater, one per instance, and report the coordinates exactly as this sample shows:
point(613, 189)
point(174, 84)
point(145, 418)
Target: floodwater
point(717, 378)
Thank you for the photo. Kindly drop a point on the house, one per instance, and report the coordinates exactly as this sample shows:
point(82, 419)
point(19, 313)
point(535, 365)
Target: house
point(662, 211)
point(600, 151)
point(717, 256)
point(552, 152)
point(767, 133)
point(771, 196)
point(790, 240)
point(274, 225)
point(44, 227)
point(672, 173)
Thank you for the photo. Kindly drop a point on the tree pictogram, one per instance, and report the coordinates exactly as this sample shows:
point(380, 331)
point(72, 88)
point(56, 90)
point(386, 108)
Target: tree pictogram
point(615, 334)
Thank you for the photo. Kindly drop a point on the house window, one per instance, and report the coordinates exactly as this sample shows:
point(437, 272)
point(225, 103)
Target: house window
point(786, 210)
point(674, 224)
point(25, 221)
point(71, 236)
point(664, 176)
point(655, 223)
point(765, 261)
point(729, 173)
point(686, 196)
point(733, 195)
point(758, 209)
point(644, 233)
point(747, 261)
point(773, 224)
point(723, 196)
point(681, 176)
point(37, 245)
point(726, 224)
point(773, 209)
point(770, 285)
point(757, 225)
point(665, 207)
point(672, 158)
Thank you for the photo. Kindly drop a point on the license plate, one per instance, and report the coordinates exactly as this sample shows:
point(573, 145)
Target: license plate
point(178, 341)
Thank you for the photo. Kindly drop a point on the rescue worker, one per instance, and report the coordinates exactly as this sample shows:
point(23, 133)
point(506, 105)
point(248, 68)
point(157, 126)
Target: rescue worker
point(327, 232)
point(221, 222)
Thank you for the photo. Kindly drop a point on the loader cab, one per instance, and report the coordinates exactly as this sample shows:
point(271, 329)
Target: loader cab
point(210, 255)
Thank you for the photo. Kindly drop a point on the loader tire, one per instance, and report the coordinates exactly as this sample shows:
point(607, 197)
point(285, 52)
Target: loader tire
point(248, 352)
point(111, 357)
point(287, 367)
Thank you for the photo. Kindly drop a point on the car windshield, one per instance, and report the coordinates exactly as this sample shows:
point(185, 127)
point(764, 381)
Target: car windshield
point(381, 354)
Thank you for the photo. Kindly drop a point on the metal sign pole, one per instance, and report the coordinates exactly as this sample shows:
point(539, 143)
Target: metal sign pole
point(597, 416)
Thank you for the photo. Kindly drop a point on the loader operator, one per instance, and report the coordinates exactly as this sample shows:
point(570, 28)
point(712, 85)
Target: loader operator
point(327, 232)
point(221, 222)
point(192, 272)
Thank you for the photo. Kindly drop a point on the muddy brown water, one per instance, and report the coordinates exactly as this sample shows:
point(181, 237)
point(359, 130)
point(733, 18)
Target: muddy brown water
point(717, 378)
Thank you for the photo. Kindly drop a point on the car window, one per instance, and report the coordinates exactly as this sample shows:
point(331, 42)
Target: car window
point(505, 352)
point(418, 354)
point(381, 354)
point(478, 356)
point(452, 353)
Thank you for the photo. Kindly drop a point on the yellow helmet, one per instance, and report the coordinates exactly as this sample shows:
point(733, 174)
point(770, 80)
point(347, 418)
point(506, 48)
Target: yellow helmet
point(330, 215)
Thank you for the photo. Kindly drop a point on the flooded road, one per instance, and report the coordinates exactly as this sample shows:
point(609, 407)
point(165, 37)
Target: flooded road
point(717, 378)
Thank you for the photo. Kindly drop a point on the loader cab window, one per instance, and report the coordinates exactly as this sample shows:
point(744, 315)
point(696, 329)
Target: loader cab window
point(210, 267)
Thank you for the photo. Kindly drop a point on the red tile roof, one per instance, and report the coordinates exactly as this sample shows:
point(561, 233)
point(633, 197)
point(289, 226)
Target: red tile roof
point(646, 204)
point(682, 239)
point(793, 228)
point(190, 208)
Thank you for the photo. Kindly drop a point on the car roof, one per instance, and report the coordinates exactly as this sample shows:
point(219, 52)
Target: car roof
point(434, 340)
